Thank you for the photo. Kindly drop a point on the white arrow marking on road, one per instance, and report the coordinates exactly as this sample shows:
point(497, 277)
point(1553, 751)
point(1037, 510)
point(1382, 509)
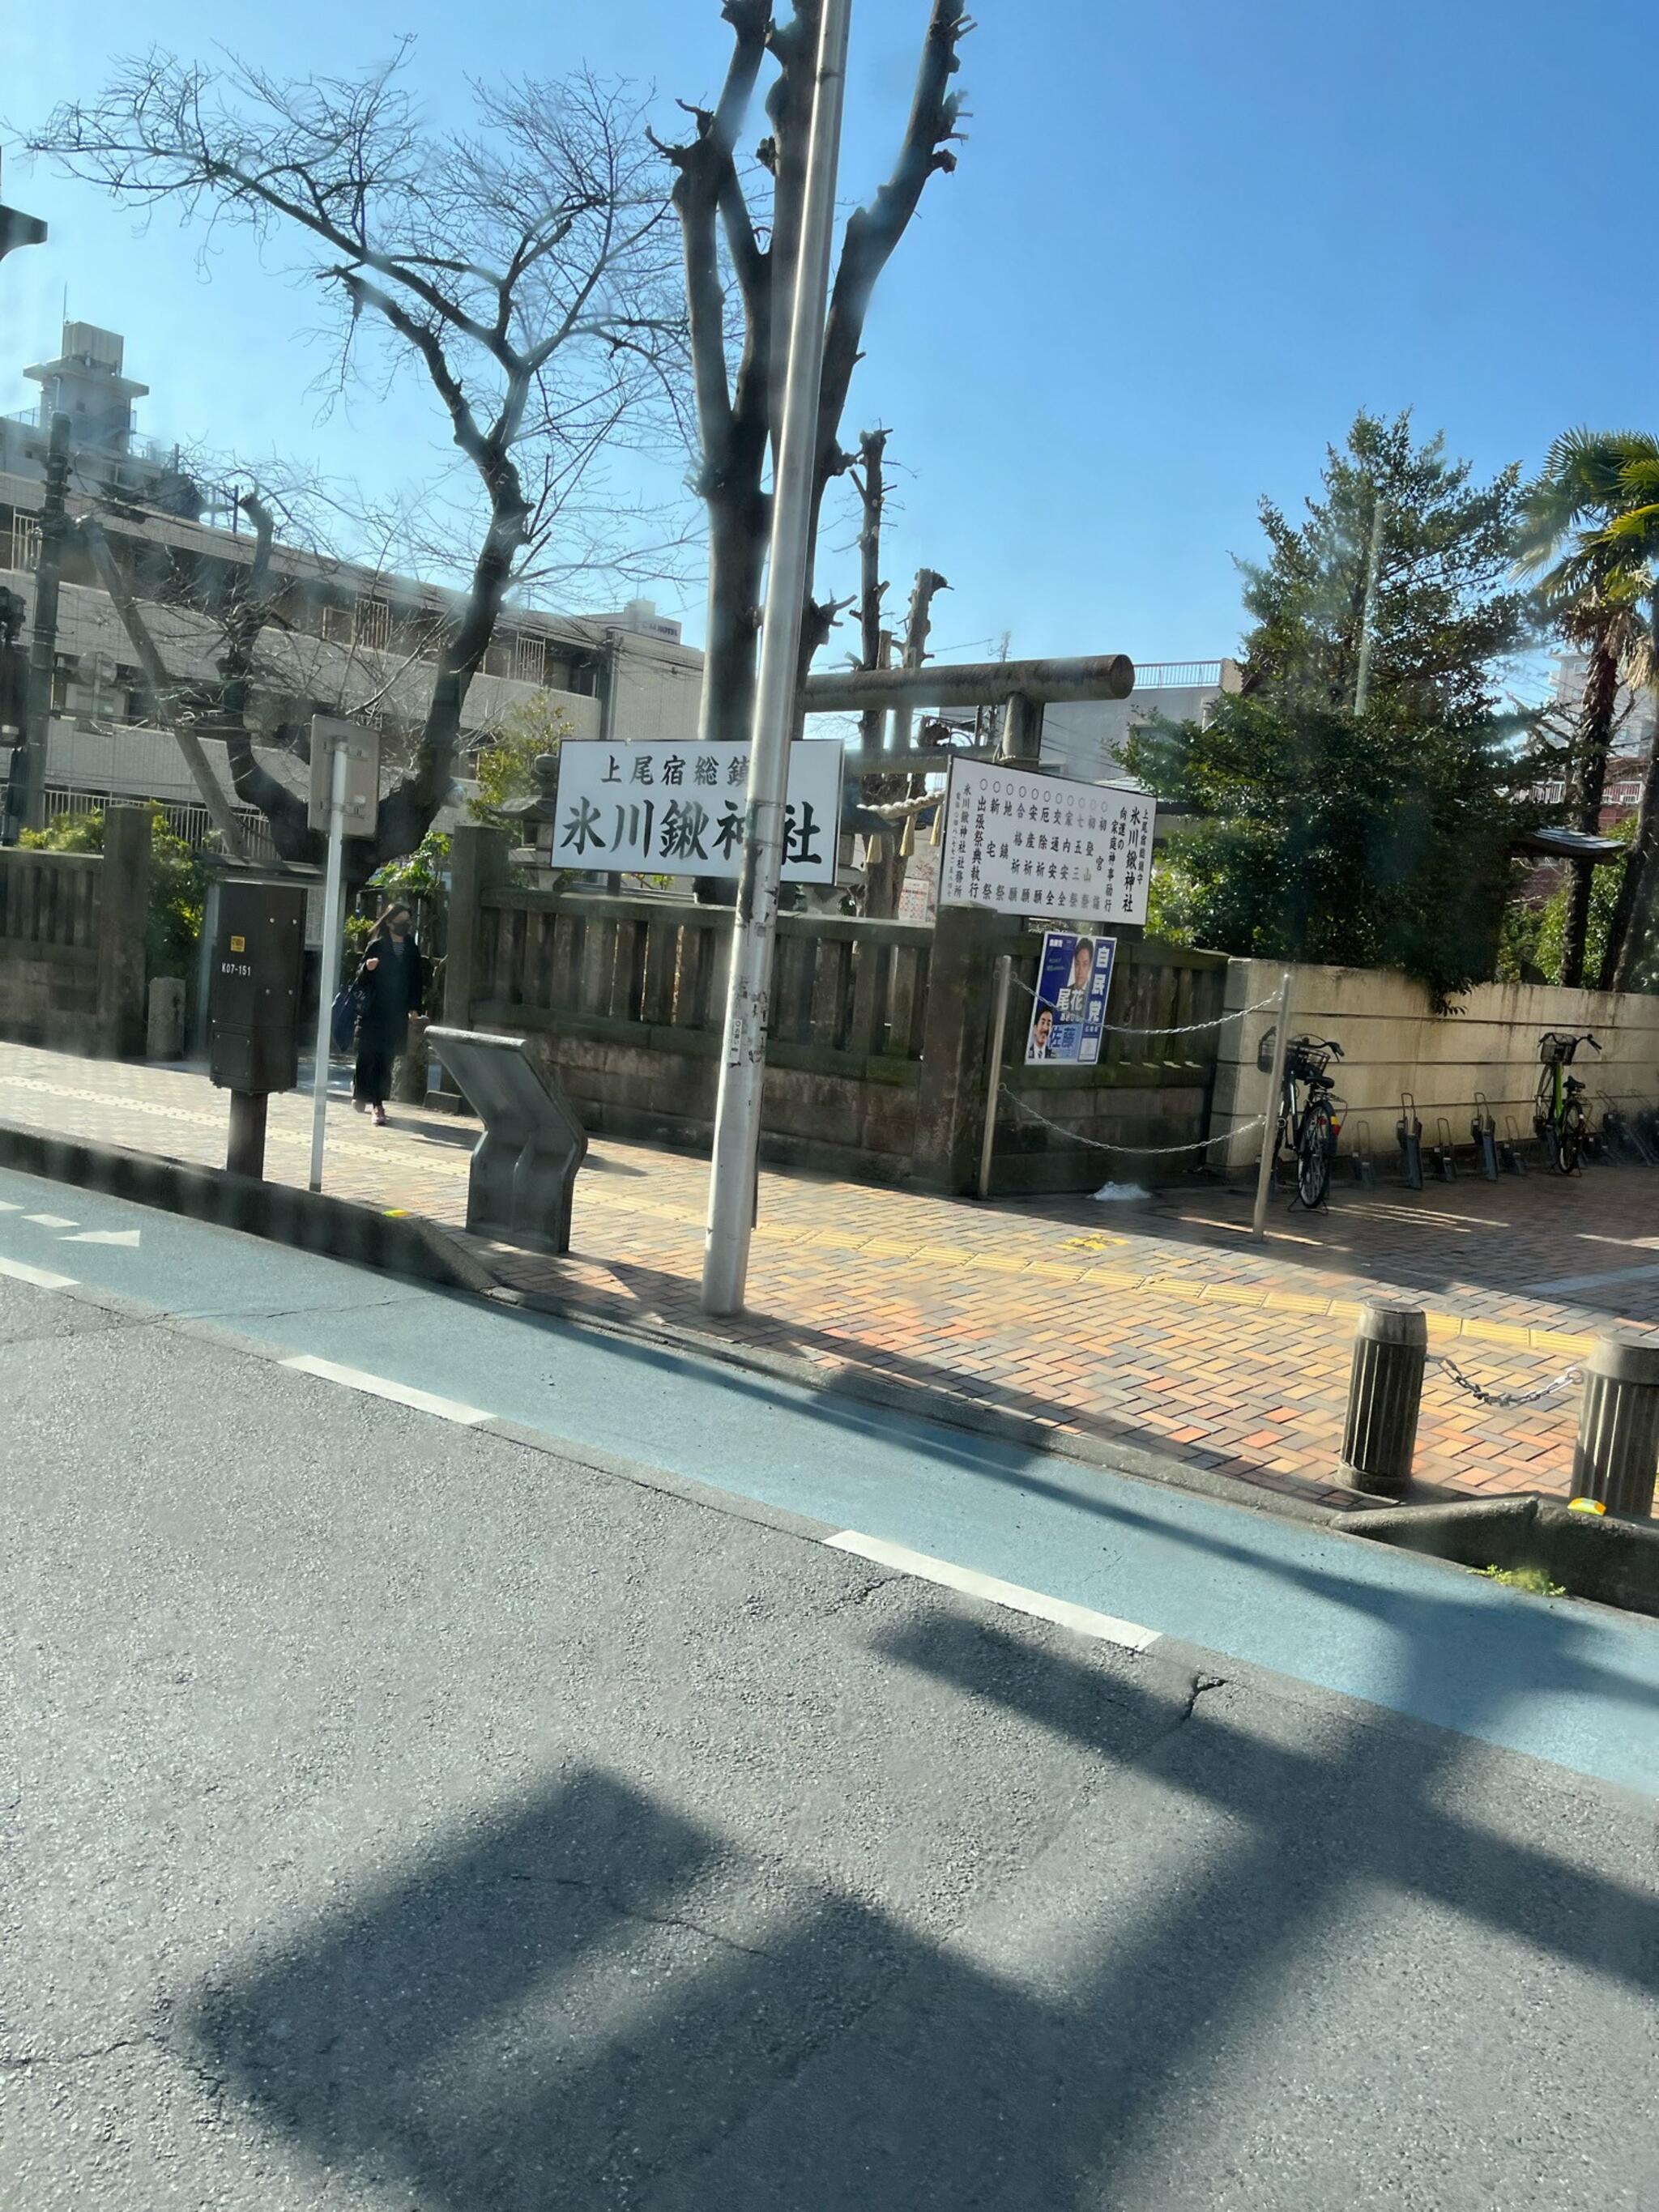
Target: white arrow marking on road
point(127, 1238)
point(50, 1220)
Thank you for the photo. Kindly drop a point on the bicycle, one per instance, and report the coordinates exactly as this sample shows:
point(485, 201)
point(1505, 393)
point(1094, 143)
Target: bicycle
point(1313, 1126)
point(1558, 1114)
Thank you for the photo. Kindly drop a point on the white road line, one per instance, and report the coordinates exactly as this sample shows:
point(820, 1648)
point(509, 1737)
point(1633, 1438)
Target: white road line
point(50, 1220)
point(971, 1584)
point(127, 1239)
point(377, 1385)
point(42, 1279)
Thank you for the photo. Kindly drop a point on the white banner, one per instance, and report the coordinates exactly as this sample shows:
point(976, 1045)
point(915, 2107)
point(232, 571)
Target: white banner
point(1028, 844)
point(666, 810)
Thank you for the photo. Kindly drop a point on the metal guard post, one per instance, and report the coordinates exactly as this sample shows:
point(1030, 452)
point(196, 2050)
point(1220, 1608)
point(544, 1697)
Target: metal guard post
point(1618, 1448)
point(1385, 1392)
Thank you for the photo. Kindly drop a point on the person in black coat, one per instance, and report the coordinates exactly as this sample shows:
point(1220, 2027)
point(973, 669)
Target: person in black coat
point(390, 987)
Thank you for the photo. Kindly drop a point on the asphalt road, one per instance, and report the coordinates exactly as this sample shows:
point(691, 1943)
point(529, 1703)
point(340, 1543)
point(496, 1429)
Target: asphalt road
point(428, 1809)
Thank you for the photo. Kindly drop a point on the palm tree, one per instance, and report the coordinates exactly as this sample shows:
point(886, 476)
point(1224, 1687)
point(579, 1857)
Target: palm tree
point(1633, 534)
point(1597, 578)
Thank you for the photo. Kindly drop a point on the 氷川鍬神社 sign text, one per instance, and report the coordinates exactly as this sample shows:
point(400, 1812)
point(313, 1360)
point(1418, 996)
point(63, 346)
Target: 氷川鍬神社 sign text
point(1028, 844)
point(678, 810)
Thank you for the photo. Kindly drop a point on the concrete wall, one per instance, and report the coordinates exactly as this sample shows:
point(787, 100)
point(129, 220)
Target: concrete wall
point(1392, 1041)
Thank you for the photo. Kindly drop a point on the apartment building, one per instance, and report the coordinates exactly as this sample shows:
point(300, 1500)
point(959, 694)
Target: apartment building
point(344, 638)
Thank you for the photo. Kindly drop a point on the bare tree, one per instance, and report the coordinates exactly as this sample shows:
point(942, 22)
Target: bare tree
point(738, 256)
point(869, 480)
point(523, 268)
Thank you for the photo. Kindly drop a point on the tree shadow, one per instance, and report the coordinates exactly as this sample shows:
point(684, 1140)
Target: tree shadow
point(594, 2000)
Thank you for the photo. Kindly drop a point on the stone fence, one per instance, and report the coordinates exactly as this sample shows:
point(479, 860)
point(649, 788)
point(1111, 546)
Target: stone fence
point(1394, 1041)
point(72, 928)
point(877, 1063)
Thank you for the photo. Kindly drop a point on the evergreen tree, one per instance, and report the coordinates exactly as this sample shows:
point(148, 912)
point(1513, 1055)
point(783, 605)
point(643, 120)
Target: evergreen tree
point(1381, 838)
point(1445, 609)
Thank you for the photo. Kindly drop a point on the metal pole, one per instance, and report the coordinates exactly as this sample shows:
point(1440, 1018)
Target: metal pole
point(994, 1080)
point(1264, 1174)
point(43, 645)
point(329, 969)
point(743, 1065)
point(1362, 682)
point(245, 1151)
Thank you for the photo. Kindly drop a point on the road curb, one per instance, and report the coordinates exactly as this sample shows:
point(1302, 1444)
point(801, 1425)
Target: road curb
point(917, 1403)
point(310, 1221)
point(1606, 1558)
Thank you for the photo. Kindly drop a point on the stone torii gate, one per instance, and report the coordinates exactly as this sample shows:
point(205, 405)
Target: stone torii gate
point(1023, 687)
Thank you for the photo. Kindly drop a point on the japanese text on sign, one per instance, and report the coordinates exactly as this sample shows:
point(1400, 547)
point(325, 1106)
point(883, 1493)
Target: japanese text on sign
point(1022, 843)
point(1074, 980)
point(679, 810)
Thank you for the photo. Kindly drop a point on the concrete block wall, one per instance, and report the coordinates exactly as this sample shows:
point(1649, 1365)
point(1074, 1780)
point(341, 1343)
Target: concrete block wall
point(1392, 1041)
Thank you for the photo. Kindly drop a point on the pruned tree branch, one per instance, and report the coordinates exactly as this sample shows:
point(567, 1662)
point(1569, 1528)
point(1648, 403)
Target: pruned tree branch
point(525, 268)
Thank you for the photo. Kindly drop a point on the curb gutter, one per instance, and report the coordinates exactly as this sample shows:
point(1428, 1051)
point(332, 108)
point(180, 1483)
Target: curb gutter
point(339, 1229)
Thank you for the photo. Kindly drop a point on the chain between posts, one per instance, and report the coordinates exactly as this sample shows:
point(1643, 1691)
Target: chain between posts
point(1187, 1029)
point(1141, 1151)
point(1549, 1390)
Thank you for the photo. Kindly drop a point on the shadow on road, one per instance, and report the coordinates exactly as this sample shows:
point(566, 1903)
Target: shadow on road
point(593, 2000)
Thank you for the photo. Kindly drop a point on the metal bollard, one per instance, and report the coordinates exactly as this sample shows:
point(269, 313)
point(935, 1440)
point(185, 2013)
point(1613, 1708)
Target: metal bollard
point(1484, 1130)
point(1618, 1448)
point(1385, 1390)
point(1409, 1132)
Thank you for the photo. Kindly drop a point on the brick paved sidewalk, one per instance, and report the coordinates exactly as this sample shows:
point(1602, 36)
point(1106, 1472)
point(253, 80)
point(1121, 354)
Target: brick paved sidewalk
point(1161, 1327)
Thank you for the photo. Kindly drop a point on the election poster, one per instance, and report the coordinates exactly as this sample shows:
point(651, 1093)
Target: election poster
point(1068, 1014)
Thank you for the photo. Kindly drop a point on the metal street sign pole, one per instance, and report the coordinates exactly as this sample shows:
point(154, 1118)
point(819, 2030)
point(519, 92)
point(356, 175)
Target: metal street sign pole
point(1264, 1174)
point(743, 1062)
point(345, 768)
point(994, 1080)
point(329, 970)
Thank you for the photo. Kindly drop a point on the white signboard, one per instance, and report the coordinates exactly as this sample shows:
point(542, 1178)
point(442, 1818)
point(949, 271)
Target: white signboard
point(1024, 843)
point(669, 810)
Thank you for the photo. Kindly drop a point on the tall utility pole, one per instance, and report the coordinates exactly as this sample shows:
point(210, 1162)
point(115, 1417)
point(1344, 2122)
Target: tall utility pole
point(1362, 681)
point(743, 1059)
point(28, 791)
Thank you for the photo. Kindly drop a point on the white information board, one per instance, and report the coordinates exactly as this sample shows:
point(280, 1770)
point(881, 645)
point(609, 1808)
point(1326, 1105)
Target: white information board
point(1024, 843)
point(669, 810)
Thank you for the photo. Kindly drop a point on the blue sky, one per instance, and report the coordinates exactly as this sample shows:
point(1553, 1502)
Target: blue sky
point(1187, 239)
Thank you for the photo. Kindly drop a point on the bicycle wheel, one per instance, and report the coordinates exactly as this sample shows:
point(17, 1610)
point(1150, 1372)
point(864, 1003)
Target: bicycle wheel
point(1313, 1159)
point(1570, 1143)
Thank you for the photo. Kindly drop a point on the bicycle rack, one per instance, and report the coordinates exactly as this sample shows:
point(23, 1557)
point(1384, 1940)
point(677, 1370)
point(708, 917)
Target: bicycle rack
point(1510, 1158)
point(1362, 1160)
point(1626, 1140)
point(1647, 1131)
point(1409, 1132)
point(1442, 1157)
point(1484, 1130)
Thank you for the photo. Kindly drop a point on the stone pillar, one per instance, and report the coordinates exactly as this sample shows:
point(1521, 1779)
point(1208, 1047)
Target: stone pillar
point(164, 1038)
point(955, 1046)
point(122, 921)
point(478, 862)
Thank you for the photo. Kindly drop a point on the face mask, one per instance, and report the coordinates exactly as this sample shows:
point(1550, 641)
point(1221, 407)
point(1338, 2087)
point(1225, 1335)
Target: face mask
point(400, 930)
